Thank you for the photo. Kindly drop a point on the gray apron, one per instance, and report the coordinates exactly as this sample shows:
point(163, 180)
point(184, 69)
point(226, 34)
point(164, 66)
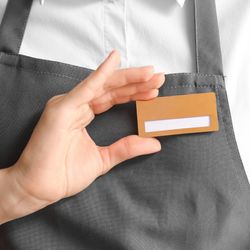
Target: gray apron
point(194, 194)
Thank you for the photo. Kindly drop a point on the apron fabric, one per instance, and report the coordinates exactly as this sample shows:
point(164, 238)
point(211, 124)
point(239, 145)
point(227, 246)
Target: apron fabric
point(193, 195)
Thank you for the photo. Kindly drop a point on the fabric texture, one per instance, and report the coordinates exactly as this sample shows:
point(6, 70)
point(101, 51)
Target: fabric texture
point(194, 194)
point(160, 35)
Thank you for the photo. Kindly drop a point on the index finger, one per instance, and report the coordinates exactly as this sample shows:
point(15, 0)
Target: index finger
point(86, 90)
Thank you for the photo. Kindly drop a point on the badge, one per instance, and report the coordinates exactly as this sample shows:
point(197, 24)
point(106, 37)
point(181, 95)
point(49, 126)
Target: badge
point(180, 114)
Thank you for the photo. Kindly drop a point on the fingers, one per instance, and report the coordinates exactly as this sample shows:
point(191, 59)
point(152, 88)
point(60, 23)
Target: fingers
point(127, 148)
point(107, 77)
point(95, 82)
point(137, 91)
point(126, 76)
point(154, 82)
point(102, 107)
point(82, 117)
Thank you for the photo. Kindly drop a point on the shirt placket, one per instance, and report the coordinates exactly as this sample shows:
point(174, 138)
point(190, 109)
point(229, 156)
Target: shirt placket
point(114, 28)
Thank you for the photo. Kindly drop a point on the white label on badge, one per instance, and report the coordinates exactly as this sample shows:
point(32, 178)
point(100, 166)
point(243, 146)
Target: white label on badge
point(177, 123)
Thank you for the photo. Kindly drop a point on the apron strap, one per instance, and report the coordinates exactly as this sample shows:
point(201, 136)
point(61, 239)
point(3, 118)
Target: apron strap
point(207, 40)
point(13, 25)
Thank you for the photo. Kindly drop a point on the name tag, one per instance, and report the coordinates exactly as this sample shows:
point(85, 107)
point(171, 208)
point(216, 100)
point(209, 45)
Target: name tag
point(180, 114)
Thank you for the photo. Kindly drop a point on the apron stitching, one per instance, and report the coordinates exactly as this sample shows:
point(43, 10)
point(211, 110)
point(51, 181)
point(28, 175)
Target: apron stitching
point(80, 79)
point(41, 60)
point(52, 73)
point(200, 74)
point(23, 30)
point(76, 67)
point(237, 153)
point(224, 134)
point(193, 86)
point(43, 72)
point(242, 173)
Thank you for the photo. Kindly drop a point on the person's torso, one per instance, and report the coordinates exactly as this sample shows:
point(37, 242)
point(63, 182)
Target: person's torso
point(193, 194)
point(158, 33)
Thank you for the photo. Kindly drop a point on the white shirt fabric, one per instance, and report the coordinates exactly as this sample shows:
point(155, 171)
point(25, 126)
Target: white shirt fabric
point(145, 32)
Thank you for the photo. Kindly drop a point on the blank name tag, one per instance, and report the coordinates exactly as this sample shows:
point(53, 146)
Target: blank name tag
point(180, 114)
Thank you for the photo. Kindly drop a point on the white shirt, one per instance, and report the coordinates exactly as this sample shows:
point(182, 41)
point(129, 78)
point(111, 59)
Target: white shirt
point(145, 32)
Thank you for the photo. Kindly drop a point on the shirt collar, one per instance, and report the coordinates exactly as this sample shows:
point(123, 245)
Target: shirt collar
point(180, 2)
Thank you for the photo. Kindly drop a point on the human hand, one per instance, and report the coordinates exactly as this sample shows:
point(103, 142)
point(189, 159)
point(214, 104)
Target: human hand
point(61, 159)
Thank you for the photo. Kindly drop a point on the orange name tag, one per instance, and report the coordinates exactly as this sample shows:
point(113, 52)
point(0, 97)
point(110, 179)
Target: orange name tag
point(180, 114)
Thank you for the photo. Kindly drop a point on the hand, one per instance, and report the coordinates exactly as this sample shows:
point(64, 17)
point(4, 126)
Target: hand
point(60, 158)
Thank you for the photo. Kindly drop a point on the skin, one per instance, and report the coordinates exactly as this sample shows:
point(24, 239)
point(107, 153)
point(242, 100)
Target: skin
point(60, 158)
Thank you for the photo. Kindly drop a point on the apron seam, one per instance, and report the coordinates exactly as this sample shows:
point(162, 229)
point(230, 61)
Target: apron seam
point(41, 72)
point(194, 86)
point(233, 145)
point(76, 67)
point(2, 53)
point(225, 136)
point(74, 78)
point(23, 31)
point(199, 74)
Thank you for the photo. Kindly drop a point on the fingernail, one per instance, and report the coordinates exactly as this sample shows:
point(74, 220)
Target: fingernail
point(163, 76)
point(112, 52)
point(151, 67)
point(158, 144)
point(160, 74)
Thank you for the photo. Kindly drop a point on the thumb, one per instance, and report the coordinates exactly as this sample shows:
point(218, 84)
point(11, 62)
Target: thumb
point(127, 148)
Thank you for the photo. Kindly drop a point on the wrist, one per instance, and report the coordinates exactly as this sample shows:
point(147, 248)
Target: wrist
point(15, 202)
